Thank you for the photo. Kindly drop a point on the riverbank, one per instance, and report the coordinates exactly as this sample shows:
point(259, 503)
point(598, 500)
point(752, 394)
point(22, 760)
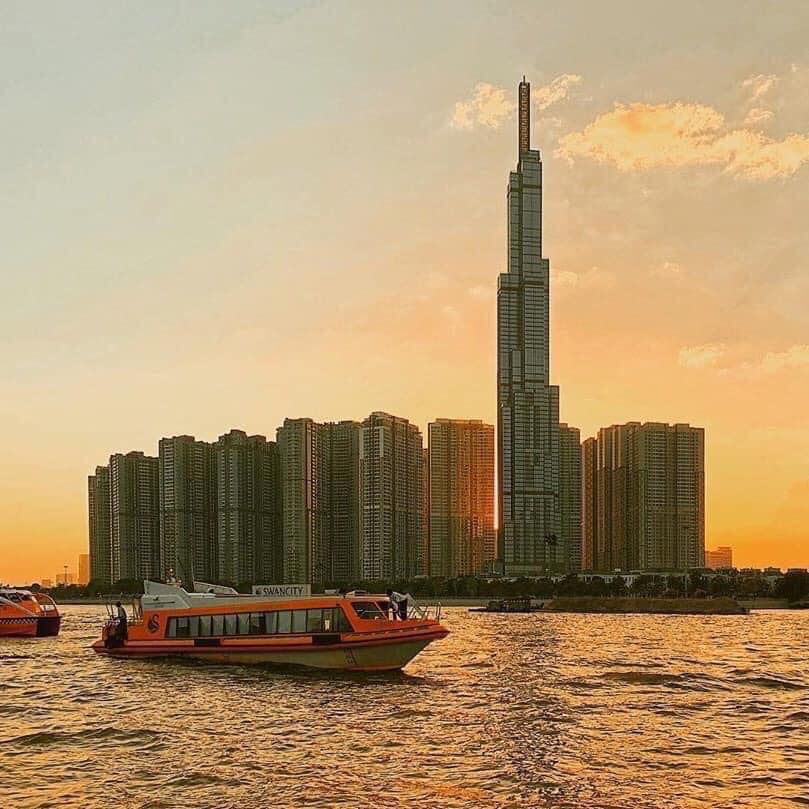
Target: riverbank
point(648, 606)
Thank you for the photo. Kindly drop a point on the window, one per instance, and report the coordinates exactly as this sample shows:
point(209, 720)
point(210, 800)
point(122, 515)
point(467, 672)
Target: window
point(244, 623)
point(193, 626)
point(182, 627)
point(217, 625)
point(256, 623)
point(340, 621)
point(230, 624)
point(204, 625)
point(299, 620)
point(285, 622)
point(314, 620)
point(368, 610)
point(271, 622)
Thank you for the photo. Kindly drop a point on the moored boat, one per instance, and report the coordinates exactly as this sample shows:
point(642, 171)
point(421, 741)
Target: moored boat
point(25, 614)
point(349, 632)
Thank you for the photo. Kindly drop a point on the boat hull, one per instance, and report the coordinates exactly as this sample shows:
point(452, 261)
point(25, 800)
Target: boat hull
point(33, 627)
point(390, 656)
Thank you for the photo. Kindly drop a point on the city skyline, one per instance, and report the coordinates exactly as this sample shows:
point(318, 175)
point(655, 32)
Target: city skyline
point(177, 221)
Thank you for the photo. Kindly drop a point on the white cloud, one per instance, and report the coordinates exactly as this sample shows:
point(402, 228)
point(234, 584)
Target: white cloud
point(594, 278)
point(640, 137)
point(668, 269)
point(489, 106)
point(481, 292)
point(760, 85)
point(758, 116)
point(794, 357)
point(554, 92)
point(701, 356)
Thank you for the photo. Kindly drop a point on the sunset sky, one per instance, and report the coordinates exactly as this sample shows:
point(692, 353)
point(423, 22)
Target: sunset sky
point(217, 215)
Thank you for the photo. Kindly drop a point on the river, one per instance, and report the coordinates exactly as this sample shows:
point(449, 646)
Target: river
point(516, 711)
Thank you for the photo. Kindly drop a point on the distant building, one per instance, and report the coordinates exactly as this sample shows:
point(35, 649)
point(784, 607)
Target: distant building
point(99, 525)
point(188, 527)
point(65, 578)
point(135, 517)
point(461, 497)
point(644, 497)
point(391, 458)
point(84, 569)
point(46, 583)
point(248, 509)
point(569, 541)
point(320, 500)
point(720, 557)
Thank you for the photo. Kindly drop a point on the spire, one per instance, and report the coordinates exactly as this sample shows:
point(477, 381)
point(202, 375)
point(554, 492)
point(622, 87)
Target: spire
point(524, 129)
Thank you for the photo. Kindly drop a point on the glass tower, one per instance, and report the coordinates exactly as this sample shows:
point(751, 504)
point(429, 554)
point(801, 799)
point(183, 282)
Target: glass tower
point(528, 450)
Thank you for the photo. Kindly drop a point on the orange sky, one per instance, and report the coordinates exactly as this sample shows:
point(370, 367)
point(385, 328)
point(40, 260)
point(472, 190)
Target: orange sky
point(224, 216)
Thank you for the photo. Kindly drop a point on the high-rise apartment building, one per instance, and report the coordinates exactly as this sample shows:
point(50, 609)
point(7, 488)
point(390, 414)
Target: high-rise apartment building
point(248, 509)
point(135, 517)
point(188, 524)
point(570, 502)
point(589, 512)
point(646, 510)
point(461, 537)
point(719, 558)
point(99, 528)
point(84, 569)
point(527, 404)
point(391, 458)
point(320, 500)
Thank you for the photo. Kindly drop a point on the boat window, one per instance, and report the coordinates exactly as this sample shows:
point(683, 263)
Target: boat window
point(182, 627)
point(256, 623)
point(217, 625)
point(171, 629)
point(367, 610)
point(340, 621)
point(285, 621)
point(299, 620)
point(271, 622)
point(314, 620)
point(244, 623)
point(204, 625)
point(193, 626)
point(230, 624)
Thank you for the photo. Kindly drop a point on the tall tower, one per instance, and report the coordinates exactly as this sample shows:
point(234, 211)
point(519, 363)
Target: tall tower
point(528, 448)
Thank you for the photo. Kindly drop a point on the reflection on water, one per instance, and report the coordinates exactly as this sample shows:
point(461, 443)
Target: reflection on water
point(508, 711)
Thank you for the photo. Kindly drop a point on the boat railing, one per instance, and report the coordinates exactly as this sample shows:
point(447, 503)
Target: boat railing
point(424, 612)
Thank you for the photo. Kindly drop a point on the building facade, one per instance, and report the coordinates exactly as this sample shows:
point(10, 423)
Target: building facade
point(188, 527)
point(644, 504)
point(570, 497)
point(84, 569)
point(320, 500)
point(391, 458)
point(248, 509)
point(719, 558)
point(99, 528)
point(135, 517)
point(528, 451)
point(461, 536)
point(589, 512)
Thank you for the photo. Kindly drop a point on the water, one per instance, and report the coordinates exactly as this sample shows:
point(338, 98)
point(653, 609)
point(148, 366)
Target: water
point(508, 711)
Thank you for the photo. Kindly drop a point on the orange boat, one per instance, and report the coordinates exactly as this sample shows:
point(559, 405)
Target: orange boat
point(332, 631)
point(24, 614)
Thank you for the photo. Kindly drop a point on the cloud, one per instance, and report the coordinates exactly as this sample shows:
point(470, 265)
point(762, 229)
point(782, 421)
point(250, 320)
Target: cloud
point(700, 356)
point(481, 292)
point(489, 106)
point(758, 116)
point(594, 278)
point(554, 92)
point(640, 137)
point(668, 269)
point(794, 357)
point(760, 85)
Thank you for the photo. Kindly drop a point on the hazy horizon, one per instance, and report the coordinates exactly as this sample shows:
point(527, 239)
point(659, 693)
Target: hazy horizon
point(220, 216)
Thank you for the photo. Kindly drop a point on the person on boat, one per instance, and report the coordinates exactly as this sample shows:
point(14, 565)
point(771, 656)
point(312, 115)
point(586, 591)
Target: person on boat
point(120, 614)
point(398, 602)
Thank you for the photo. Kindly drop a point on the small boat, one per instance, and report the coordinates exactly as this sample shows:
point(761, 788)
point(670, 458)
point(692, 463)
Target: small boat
point(349, 632)
point(24, 614)
point(518, 604)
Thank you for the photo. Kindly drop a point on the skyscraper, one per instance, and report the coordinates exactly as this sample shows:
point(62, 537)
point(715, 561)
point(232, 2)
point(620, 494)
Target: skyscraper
point(99, 529)
point(647, 508)
point(589, 512)
point(391, 460)
point(188, 508)
point(570, 503)
point(84, 569)
point(135, 517)
point(248, 509)
point(527, 404)
point(461, 497)
point(320, 509)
